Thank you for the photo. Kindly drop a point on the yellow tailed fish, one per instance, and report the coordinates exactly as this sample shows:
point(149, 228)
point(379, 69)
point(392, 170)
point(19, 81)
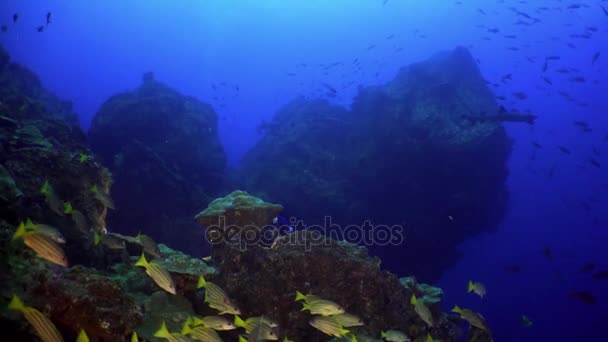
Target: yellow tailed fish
point(43, 326)
point(161, 277)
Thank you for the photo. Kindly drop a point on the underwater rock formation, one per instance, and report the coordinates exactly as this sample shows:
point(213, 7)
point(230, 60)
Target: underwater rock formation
point(165, 157)
point(403, 155)
point(41, 142)
point(264, 280)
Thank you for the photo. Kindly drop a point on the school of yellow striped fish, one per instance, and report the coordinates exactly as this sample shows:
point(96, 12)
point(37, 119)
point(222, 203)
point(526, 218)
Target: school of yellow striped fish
point(327, 316)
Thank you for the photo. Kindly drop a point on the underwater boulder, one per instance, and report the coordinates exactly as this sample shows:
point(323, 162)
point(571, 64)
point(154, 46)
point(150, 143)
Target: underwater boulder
point(165, 156)
point(403, 156)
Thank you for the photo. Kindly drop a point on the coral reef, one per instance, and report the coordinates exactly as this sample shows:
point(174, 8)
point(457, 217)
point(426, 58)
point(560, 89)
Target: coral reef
point(403, 155)
point(165, 157)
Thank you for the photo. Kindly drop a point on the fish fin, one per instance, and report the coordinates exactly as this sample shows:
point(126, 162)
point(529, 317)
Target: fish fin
point(201, 282)
point(67, 208)
point(162, 332)
point(238, 322)
point(305, 306)
point(242, 338)
point(471, 286)
point(413, 300)
point(457, 309)
point(16, 303)
point(300, 296)
point(82, 336)
point(134, 337)
point(96, 238)
point(382, 334)
point(29, 224)
point(186, 327)
point(142, 261)
point(344, 331)
point(20, 231)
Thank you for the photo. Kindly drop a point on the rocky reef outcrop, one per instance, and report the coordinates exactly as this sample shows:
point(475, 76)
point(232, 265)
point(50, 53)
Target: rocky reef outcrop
point(41, 142)
point(165, 157)
point(403, 155)
point(263, 280)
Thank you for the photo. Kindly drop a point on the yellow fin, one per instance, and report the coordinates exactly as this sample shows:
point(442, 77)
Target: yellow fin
point(16, 304)
point(67, 208)
point(413, 300)
point(142, 261)
point(162, 332)
point(20, 231)
point(201, 282)
point(457, 309)
point(471, 286)
point(134, 337)
point(238, 322)
point(300, 296)
point(96, 238)
point(82, 336)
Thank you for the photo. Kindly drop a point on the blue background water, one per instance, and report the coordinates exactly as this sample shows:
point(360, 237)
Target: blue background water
point(94, 49)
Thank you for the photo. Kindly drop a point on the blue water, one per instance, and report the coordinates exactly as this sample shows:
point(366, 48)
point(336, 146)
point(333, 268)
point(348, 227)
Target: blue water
point(94, 49)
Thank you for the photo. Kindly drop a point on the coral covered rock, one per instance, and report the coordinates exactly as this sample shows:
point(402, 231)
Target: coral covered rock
point(40, 141)
point(165, 157)
point(239, 209)
point(403, 155)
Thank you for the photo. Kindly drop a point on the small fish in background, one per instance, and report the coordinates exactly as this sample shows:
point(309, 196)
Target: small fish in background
point(564, 150)
point(422, 310)
point(4, 28)
point(536, 145)
point(600, 275)
point(212, 322)
point(526, 322)
point(474, 318)
point(587, 267)
point(394, 336)
point(512, 268)
point(48, 18)
point(594, 162)
point(477, 288)
point(307, 298)
point(329, 326)
point(161, 277)
point(40, 29)
point(322, 307)
point(51, 198)
point(105, 199)
point(251, 323)
point(148, 245)
point(78, 217)
point(348, 320)
point(200, 333)
point(43, 326)
point(15, 17)
point(547, 253)
point(595, 57)
point(583, 296)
